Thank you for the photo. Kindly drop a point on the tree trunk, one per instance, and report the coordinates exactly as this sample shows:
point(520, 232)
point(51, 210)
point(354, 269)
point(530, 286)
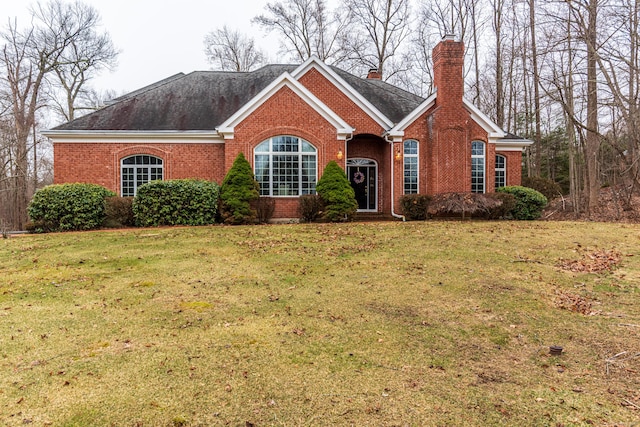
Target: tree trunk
point(592, 143)
point(536, 88)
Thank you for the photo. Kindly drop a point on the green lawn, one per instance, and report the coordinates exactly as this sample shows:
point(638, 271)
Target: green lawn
point(380, 324)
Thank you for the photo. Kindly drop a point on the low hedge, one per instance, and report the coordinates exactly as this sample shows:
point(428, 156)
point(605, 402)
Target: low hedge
point(66, 207)
point(529, 202)
point(176, 202)
point(463, 205)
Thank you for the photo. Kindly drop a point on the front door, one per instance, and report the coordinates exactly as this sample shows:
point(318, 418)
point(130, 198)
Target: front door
point(363, 174)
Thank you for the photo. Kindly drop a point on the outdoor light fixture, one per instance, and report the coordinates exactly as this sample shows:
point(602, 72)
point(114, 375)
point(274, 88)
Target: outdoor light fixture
point(339, 154)
point(398, 154)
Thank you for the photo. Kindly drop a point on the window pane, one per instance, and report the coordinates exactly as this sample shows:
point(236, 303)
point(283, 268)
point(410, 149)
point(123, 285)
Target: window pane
point(477, 167)
point(501, 171)
point(290, 174)
point(139, 170)
point(410, 147)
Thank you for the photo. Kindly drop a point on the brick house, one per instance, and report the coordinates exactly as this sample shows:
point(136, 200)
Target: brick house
point(290, 121)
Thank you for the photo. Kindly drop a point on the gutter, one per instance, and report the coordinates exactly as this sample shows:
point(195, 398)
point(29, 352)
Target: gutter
point(393, 212)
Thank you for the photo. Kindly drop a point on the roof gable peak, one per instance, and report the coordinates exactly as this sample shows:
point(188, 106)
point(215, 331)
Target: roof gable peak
point(285, 80)
point(344, 87)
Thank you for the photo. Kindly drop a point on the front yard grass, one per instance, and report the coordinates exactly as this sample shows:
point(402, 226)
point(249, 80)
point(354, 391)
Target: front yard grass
point(387, 324)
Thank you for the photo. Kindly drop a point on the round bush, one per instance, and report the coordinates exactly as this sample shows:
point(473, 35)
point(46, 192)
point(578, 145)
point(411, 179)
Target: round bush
point(529, 202)
point(336, 192)
point(176, 202)
point(65, 207)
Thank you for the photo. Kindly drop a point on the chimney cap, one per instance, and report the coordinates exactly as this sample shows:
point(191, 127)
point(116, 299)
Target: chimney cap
point(374, 74)
point(449, 38)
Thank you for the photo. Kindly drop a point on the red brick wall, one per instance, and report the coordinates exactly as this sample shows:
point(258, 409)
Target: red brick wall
point(514, 166)
point(340, 103)
point(99, 163)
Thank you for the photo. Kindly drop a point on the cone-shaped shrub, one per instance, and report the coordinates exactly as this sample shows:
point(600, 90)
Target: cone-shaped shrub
point(337, 194)
point(238, 193)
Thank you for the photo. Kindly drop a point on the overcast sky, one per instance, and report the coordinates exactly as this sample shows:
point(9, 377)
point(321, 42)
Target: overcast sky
point(159, 38)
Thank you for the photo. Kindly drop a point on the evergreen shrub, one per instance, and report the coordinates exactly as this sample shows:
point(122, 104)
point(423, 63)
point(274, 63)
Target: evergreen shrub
point(529, 202)
point(415, 206)
point(176, 202)
point(337, 195)
point(238, 193)
point(65, 207)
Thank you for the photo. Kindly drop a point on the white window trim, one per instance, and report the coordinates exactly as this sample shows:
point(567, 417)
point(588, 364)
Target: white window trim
point(135, 166)
point(416, 156)
point(504, 169)
point(299, 153)
point(482, 156)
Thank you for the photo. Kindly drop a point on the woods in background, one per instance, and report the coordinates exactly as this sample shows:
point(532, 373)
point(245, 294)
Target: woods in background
point(564, 74)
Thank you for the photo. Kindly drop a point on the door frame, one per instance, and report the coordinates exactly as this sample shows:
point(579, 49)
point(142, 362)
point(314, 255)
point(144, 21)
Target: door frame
point(372, 165)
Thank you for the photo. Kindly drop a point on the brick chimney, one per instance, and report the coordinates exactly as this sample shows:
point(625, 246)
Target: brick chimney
point(450, 120)
point(448, 65)
point(374, 74)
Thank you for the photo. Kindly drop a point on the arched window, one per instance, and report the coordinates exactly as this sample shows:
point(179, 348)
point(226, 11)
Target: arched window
point(137, 170)
point(286, 166)
point(501, 171)
point(410, 166)
point(477, 167)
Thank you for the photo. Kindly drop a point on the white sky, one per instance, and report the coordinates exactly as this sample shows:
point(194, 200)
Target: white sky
point(159, 38)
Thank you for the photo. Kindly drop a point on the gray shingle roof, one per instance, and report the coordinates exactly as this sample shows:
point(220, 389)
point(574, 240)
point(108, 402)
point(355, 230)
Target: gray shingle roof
point(203, 100)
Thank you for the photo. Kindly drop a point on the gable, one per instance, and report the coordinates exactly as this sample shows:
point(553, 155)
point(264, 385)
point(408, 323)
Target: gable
point(340, 102)
point(285, 81)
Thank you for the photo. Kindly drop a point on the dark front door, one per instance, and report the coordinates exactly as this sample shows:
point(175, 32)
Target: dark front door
point(362, 175)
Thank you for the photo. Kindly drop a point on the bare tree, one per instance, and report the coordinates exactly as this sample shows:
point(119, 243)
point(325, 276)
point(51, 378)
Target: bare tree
point(380, 27)
point(229, 50)
point(536, 86)
point(88, 53)
point(27, 58)
point(306, 28)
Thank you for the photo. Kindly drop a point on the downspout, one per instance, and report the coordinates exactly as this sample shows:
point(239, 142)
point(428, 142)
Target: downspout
point(393, 212)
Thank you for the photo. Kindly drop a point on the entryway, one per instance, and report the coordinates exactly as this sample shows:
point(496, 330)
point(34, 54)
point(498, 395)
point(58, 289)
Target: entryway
point(363, 174)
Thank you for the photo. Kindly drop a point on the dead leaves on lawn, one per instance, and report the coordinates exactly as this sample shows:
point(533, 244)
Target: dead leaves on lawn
point(595, 261)
point(591, 261)
point(572, 302)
